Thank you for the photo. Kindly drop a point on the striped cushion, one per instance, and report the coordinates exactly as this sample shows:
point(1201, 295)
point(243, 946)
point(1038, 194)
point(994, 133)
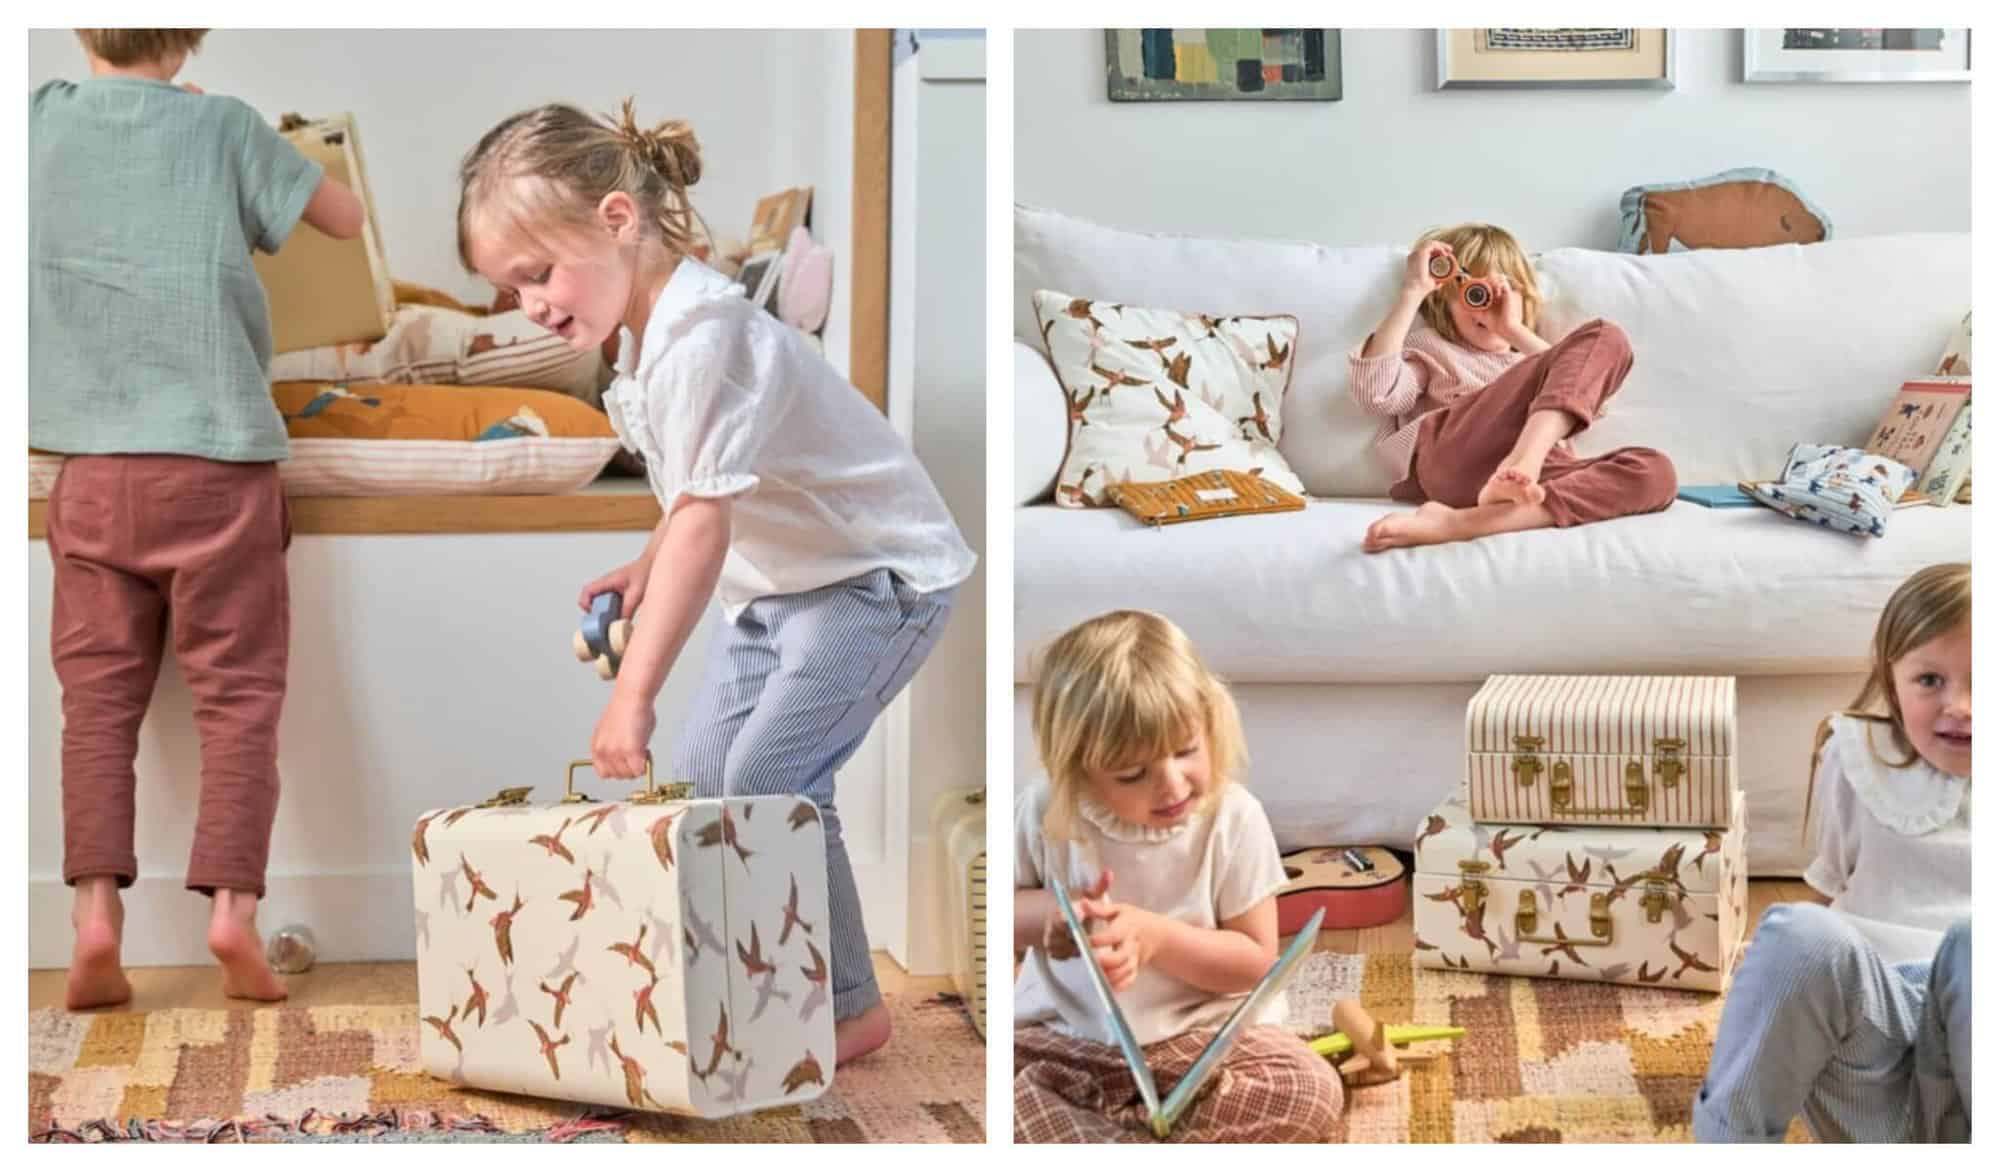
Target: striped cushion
point(349, 467)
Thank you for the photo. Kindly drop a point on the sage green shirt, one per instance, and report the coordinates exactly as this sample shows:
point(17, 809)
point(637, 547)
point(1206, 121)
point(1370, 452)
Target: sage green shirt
point(148, 330)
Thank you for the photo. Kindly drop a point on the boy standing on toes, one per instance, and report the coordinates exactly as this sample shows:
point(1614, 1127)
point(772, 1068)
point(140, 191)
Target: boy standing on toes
point(148, 348)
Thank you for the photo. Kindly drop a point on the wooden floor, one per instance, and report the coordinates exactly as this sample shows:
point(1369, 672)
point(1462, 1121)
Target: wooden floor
point(1396, 937)
point(377, 983)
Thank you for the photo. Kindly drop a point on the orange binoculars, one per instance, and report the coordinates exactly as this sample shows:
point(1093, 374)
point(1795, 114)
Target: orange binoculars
point(1476, 292)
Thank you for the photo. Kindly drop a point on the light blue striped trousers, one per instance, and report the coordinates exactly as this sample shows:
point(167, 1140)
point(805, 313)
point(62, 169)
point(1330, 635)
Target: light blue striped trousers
point(1818, 1025)
point(791, 688)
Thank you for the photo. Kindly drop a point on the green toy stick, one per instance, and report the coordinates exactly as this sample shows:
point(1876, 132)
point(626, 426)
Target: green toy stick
point(1335, 1045)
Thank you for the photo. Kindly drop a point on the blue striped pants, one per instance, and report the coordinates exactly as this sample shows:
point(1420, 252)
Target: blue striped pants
point(792, 687)
point(1818, 1025)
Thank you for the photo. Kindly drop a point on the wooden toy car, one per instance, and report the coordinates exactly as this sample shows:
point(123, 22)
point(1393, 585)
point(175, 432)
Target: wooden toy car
point(603, 635)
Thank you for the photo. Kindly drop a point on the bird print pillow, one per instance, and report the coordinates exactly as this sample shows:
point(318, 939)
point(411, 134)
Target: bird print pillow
point(1156, 394)
point(1846, 490)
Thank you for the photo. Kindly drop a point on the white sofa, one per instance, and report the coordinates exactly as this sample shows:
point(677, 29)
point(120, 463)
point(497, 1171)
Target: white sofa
point(1352, 670)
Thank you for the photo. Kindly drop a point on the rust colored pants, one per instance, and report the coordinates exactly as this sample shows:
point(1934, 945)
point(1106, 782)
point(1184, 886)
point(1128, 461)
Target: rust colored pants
point(1459, 447)
point(151, 546)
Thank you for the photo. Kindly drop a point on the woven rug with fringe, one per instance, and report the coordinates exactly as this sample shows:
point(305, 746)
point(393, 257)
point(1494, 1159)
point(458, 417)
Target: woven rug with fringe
point(351, 1074)
point(1541, 1061)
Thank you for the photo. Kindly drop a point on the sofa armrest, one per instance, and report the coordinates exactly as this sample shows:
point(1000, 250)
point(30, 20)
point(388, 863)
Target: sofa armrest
point(1041, 426)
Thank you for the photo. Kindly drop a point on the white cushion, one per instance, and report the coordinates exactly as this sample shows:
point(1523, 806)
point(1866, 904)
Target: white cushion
point(1740, 353)
point(1159, 394)
point(1039, 423)
point(1290, 597)
point(530, 465)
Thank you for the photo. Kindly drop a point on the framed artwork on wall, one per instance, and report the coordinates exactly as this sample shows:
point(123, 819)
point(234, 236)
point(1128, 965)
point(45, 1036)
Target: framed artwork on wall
point(1857, 54)
point(1222, 64)
point(1555, 58)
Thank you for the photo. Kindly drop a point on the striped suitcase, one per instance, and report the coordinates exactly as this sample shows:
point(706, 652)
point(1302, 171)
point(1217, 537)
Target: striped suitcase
point(1602, 750)
point(659, 953)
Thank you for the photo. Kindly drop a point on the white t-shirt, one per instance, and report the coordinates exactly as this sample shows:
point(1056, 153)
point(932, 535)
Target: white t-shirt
point(1895, 845)
point(724, 400)
point(1211, 868)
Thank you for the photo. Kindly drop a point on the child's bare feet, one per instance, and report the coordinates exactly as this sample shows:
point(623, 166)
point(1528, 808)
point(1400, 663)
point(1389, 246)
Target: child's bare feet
point(861, 1034)
point(96, 973)
point(1431, 524)
point(1515, 482)
point(232, 937)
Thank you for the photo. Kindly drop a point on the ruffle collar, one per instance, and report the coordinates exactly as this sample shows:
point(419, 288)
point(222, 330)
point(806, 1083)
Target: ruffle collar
point(1913, 799)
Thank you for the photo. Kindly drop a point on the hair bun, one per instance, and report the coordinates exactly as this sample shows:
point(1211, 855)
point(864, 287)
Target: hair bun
point(669, 148)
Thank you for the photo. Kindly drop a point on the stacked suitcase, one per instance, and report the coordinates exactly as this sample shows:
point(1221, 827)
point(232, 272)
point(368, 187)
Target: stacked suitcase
point(1599, 836)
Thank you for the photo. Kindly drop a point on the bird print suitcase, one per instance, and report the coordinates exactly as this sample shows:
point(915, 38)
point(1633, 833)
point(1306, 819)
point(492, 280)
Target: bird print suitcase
point(1603, 750)
point(1594, 903)
point(657, 953)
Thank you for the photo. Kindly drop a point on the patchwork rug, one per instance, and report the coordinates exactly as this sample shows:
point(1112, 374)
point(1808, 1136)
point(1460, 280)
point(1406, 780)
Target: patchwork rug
point(351, 1074)
point(1541, 1061)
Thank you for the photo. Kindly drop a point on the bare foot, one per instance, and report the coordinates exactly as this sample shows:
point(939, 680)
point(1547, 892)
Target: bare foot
point(96, 973)
point(232, 937)
point(862, 1034)
point(1431, 524)
point(1514, 482)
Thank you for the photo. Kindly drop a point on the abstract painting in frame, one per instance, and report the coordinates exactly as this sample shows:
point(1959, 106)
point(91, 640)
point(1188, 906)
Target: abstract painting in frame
point(1222, 64)
point(1857, 54)
point(1555, 58)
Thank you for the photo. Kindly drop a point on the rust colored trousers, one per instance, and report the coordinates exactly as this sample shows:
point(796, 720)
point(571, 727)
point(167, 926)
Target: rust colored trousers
point(149, 548)
point(1459, 447)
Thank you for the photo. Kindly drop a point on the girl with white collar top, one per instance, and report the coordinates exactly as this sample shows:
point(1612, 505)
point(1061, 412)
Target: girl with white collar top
point(782, 489)
point(1857, 1011)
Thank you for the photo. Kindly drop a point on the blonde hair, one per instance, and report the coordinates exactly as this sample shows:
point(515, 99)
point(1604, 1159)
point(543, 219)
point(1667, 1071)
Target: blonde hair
point(555, 164)
point(1931, 603)
point(1119, 687)
point(1482, 250)
point(139, 46)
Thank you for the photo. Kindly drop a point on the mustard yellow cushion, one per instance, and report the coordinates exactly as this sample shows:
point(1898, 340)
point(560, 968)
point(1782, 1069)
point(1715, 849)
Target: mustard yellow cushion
point(425, 412)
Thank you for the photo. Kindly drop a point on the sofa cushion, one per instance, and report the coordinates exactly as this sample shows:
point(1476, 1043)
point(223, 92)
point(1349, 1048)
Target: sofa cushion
point(1739, 353)
point(1153, 395)
point(1038, 425)
point(1290, 597)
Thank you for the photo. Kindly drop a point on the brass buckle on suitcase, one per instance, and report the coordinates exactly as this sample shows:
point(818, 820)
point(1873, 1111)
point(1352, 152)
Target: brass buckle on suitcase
point(1562, 791)
point(1526, 914)
point(1667, 765)
point(652, 795)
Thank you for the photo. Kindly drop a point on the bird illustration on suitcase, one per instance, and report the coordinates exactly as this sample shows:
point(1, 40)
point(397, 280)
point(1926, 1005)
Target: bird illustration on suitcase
point(642, 1007)
point(418, 845)
point(443, 1027)
point(703, 932)
point(635, 1079)
point(792, 917)
point(566, 962)
point(604, 886)
point(549, 1047)
point(509, 1007)
point(722, 832)
point(1688, 960)
point(613, 812)
point(478, 883)
point(735, 1085)
point(580, 897)
point(816, 993)
point(452, 816)
point(801, 814)
point(503, 929)
point(805, 1071)
point(553, 843)
point(634, 952)
point(766, 992)
point(561, 995)
point(597, 1054)
point(753, 958)
point(662, 834)
point(475, 999)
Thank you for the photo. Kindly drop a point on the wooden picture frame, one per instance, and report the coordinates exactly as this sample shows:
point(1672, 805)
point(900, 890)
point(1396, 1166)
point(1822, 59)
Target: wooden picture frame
point(1515, 58)
point(776, 215)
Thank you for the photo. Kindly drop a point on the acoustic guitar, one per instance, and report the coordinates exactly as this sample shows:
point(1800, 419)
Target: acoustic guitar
point(1357, 887)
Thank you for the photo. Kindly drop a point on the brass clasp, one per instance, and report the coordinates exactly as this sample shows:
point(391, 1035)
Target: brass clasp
point(1668, 768)
point(1656, 898)
point(1527, 759)
point(1474, 887)
point(1562, 786)
point(1526, 916)
point(508, 797)
point(1562, 791)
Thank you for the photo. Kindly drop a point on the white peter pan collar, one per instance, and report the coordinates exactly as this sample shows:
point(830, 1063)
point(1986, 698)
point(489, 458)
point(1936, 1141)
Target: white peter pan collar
point(1116, 828)
point(1913, 799)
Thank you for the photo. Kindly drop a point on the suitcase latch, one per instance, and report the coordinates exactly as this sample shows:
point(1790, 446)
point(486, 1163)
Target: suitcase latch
point(1527, 915)
point(517, 796)
point(1562, 791)
point(1656, 898)
point(673, 791)
point(1668, 767)
point(1527, 759)
point(1474, 887)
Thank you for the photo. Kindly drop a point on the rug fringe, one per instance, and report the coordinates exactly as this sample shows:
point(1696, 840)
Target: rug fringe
point(314, 1122)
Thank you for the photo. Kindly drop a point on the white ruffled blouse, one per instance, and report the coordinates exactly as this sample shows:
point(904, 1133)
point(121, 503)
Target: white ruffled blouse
point(1895, 843)
point(724, 400)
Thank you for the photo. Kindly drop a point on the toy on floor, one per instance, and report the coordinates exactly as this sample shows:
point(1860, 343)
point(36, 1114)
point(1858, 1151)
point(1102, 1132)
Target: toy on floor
point(1357, 887)
point(1373, 1045)
point(603, 636)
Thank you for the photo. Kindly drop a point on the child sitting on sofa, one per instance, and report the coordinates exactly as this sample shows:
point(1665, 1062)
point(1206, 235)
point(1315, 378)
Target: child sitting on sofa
point(1142, 748)
point(148, 348)
point(1858, 1013)
point(1477, 408)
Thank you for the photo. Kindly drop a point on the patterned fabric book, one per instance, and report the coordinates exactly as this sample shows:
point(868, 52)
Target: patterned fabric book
point(1929, 428)
point(1162, 1113)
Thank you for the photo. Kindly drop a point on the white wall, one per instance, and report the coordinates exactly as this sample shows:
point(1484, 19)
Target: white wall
point(1395, 156)
point(772, 109)
point(938, 305)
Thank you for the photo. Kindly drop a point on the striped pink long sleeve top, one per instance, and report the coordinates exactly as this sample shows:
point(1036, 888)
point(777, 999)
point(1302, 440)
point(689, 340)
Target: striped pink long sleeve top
point(1425, 376)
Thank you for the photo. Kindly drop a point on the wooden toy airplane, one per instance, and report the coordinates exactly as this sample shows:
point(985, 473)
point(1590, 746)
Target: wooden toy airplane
point(1372, 1044)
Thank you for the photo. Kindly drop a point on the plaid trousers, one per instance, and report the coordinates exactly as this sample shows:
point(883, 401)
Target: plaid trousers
point(1270, 1089)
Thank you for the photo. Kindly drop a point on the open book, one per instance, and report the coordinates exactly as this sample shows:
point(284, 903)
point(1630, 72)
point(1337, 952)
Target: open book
point(1162, 1114)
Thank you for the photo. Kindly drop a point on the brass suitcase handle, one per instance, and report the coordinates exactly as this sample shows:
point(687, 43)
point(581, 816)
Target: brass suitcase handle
point(652, 795)
point(1526, 915)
